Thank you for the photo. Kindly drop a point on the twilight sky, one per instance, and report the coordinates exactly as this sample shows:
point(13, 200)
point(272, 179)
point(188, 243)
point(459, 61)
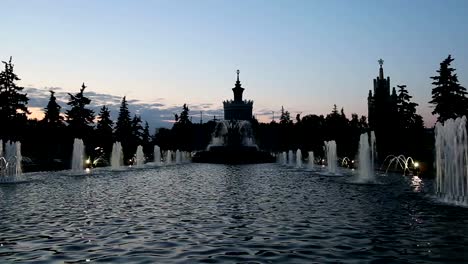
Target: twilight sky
point(304, 55)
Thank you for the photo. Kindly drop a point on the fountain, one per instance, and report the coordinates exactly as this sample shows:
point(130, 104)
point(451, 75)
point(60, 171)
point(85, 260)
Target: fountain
point(290, 158)
point(298, 158)
point(366, 158)
point(451, 147)
point(399, 161)
point(311, 160)
point(78, 156)
point(168, 157)
point(10, 162)
point(116, 156)
point(140, 156)
point(157, 155)
point(284, 158)
point(177, 157)
point(330, 149)
point(232, 142)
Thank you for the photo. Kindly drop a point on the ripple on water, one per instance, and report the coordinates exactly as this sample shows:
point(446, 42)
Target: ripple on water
point(216, 214)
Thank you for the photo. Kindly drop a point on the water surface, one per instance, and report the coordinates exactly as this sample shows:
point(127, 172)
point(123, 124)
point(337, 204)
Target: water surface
point(193, 213)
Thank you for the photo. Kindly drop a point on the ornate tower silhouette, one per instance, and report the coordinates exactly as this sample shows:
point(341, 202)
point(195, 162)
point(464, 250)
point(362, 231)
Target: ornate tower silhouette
point(382, 110)
point(238, 109)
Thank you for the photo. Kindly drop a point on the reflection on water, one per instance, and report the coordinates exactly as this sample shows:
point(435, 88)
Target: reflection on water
point(217, 213)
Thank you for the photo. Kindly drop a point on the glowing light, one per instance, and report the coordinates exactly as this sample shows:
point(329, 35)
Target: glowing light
point(88, 170)
point(88, 161)
point(352, 161)
point(416, 164)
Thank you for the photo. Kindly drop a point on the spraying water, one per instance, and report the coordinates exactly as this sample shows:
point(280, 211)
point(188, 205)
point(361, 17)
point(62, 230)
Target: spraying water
point(10, 163)
point(298, 158)
point(366, 158)
point(140, 156)
point(157, 155)
point(290, 158)
point(311, 158)
point(451, 146)
point(330, 149)
point(168, 157)
point(177, 157)
point(284, 157)
point(116, 156)
point(78, 156)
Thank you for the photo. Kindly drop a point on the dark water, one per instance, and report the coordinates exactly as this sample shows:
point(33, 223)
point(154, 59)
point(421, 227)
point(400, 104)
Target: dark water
point(216, 214)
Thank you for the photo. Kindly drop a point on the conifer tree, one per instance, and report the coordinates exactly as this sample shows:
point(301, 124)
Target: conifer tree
point(52, 115)
point(13, 103)
point(448, 96)
point(146, 137)
point(104, 124)
point(104, 129)
point(123, 127)
point(285, 117)
point(406, 109)
point(79, 118)
point(137, 129)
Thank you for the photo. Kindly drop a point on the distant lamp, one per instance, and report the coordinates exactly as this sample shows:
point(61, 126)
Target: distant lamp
point(88, 161)
point(88, 170)
point(416, 164)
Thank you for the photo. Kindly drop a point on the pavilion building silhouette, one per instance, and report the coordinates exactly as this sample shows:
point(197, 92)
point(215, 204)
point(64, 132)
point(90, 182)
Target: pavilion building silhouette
point(238, 109)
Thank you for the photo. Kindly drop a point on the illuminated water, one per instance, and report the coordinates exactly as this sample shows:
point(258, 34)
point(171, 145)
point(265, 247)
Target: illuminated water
point(196, 213)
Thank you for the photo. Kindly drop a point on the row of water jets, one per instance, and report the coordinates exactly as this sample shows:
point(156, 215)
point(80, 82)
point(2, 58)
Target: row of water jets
point(117, 157)
point(365, 160)
point(451, 159)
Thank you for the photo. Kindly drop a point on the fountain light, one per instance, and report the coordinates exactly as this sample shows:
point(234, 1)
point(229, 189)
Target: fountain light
point(88, 170)
point(416, 164)
point(88, 161)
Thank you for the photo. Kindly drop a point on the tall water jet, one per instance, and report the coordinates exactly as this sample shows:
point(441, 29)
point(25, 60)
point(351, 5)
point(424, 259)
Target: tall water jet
point(451, 145)
point(116, 156)
point(284, 158)
point(157, 155)
point(311, 159)
point(290, 158)
point(298, 158)
point(140, 156)
point(10, 161)
point(330, 149)
point(177, 157)
point(78, 156)
point(168, 157)
point(366, 158)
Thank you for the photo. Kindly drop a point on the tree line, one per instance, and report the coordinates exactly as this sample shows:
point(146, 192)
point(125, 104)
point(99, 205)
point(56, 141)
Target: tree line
point(48, 142)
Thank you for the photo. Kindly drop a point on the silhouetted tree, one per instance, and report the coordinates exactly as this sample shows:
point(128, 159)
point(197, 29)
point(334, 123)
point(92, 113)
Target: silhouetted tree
point(52, 117)
point(13, 103)
point(104, 132)
point(123, 126)
point(79, 118)
point(123, 130)
point(406, 109)
point(137, 129)
point(285, 117)
point(182, 130)
point(448, 96)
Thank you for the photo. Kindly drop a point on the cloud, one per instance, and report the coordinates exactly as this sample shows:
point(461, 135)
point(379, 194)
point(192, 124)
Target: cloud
point(157, 113)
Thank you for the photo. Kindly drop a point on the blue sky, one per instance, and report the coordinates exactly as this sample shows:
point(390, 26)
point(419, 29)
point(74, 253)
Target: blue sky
point(304, 55)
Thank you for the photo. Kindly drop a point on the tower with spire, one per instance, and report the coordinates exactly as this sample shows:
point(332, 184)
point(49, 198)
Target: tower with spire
point(238, 109)
point(382, 107)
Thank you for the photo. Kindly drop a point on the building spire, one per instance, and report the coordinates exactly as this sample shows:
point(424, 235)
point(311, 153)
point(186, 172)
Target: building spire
point(238, 89)
point(381, 76)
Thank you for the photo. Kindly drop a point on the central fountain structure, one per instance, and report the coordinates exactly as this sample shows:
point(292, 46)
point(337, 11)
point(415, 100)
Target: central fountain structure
point(232, 141)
